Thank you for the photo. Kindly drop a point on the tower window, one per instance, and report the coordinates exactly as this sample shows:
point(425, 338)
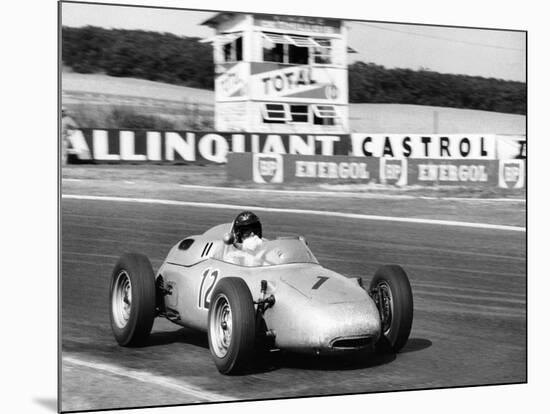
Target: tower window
point(232, 47)
point(275, 113)
point(299, 113)
point(324, 114)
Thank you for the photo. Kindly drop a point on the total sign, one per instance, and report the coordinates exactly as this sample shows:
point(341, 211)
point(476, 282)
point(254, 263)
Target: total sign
point(230, 81)
point(275, 81)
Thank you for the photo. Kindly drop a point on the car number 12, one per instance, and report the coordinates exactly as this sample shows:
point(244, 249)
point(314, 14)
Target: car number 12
point(205, 289)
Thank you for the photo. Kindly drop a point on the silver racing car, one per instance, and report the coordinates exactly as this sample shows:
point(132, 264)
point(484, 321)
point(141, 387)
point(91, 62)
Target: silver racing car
point(283, 300)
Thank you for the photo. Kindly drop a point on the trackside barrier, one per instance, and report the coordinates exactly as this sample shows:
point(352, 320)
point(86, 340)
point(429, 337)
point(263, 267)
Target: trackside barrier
point(142, 146)
point(277, 168)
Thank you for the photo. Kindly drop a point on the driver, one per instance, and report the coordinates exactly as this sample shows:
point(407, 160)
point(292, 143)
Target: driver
point(247, 230)
point(247, 240)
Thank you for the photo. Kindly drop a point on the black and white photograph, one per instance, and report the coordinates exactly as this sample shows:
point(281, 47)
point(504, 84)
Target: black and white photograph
point(258, 206)
point(276, 207)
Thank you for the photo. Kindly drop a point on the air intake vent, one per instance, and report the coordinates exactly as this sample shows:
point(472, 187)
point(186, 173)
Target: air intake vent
point(185, 244)
point(352, 343)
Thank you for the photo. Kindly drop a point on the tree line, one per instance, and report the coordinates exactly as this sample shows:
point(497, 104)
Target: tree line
point(373, 83)
point(181, 60)
point(162, 57)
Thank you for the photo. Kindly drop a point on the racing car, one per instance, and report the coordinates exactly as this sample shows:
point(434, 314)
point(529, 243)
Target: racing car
point(287, 302)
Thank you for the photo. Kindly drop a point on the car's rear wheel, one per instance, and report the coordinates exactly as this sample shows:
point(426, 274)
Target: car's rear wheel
point(132, 299)
point(231, 326)
point(392, 293)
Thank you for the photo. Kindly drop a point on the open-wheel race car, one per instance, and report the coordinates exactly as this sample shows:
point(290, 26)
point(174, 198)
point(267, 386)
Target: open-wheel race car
point(283, 300)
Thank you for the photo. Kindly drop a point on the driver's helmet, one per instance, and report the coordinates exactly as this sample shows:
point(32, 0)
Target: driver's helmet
point(246, 223)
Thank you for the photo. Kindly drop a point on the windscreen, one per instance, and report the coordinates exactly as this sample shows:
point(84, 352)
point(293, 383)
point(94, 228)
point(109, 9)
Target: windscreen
point(287, 251)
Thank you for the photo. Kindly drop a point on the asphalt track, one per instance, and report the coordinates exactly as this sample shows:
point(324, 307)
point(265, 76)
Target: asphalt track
point(469, 328)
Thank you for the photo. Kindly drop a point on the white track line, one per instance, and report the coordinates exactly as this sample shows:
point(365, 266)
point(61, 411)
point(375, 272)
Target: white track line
point(295, 211)
point(159, 380)
point(346, 194)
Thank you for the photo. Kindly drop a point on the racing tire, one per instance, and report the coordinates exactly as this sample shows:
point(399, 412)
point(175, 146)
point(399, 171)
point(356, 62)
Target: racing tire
point(231, 326)
point(395, 306)
point(132, 296)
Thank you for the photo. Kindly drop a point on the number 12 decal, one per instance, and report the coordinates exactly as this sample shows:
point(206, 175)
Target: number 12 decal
point(204, 298)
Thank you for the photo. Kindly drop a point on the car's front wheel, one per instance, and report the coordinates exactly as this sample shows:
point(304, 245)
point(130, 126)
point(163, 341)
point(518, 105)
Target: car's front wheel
point(231, 326)
point(132, 299)
point(391, 290)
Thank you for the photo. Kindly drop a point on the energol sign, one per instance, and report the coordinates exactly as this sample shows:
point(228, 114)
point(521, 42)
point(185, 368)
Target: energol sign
point(453, 172)
point(277, 168)
point(332, 170)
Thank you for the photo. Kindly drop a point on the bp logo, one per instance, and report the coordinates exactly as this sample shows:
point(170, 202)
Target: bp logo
point(267, 168)
point(393, 171)
point(331, 92)
point(511, 174)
